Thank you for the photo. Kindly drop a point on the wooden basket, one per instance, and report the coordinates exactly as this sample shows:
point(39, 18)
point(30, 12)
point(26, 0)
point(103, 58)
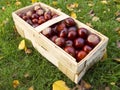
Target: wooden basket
point(66, 63)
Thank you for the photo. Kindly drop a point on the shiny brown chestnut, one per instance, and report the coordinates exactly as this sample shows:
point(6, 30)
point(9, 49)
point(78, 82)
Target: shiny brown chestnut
point(68, 43)
point(81, 54)
point(79, 42)
point(53, 38)
point(93, 40)
point(70, 50)
point(72, 35)
point(60, 41)
point(83, 32)
point(41, 20)
point(61, 26)
point(87, 48)
point(47, 32)
point(63, 33)
point(47, 15)
point(69, 22)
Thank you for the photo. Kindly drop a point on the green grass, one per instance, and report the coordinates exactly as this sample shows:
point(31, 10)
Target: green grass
point(15, 64)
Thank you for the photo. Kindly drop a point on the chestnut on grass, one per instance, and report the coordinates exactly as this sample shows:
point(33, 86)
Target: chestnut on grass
point(60, 41)
point(93, 40)
point(79, 42)
point(82, 32)
point(70, 50)
point(81, 54)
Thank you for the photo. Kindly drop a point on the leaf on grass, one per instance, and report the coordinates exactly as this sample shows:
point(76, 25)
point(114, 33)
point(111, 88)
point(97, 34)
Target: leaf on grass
point(104, 2)
point(117, 13)
point(118, 19)
point(105, 55)
point(91, 13)
point(112, 83)
point(26, 75)
point(89, 24)
point(60, 85)
point(28, 51)
point(71, 7)
point(22, 45)
point(117, 59)
point(118, 43)
point(31, 88)
point(117, 29)
point(34, 1)
point(95, 18)
point(85, 84)
point(55, 3)
point(3, 8)
point(78, 87)
point(16, 83)
point(17, 3)
point(73, 14)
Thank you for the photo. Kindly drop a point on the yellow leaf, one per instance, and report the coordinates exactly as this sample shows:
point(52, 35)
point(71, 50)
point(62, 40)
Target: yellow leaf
point(89, 24)
point(18, 3)
point(31, 88)
point(112, 83)
point(90, 4)
point(60, 85)
point(73, 14)
point(16, 83)
point(117, 59)
point(85, 84)
point(54, 3)
point(118, 19)
point(34, 1)
point(22, 45)
point(104, 2)
point(71, 7)
point(3, 8)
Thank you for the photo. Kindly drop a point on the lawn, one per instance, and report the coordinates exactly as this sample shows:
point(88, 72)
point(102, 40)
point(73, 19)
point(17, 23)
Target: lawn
point(34, 70)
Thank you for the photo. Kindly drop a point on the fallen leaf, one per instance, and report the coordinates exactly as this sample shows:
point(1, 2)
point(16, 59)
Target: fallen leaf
point(118, 19)
point(60, 85)
point(112, 83)
point(22, 45)
point(16, 83)
point(59, 9)
point(91, 13)
point(90, 4)
point(26, 75)
point(95, 18)
point(107, 88)
point(118, 43)
point(78, 87)
point(85, 84)
point(117, 59)
point(73, 14)
point(104, 2)
point(105, 55)
point(71, 7)
point(3, 8)
point(117, 29)
point(28, 51)
point(89, 24)
point(17, 3)
point(55, 3)
point(117, 13)
point(34, 1)
point(31, 88)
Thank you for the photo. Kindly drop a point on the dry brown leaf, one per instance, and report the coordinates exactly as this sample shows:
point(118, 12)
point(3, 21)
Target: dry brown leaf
point(117, 59)
point(118, 19)
point(117, 13)
point(91, 13)
point(104, 2)
point(107, 88)
point(28, 51)
point(117, 29)
point(118, 43)
point(16, 83)
point(95, 18)
point(31, 88)
point(89, 24)
point(26, 75)
point(85, 84)
point(60, 85)
point(73, 14)
point(17, 3)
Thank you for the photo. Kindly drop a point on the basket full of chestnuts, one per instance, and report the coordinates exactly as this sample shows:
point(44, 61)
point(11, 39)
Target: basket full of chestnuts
point(67, 43)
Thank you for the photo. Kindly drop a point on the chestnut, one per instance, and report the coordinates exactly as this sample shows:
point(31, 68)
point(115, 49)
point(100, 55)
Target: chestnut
point(63, 33)
point(87, 48)
point(47, 32)
point(83, 32)
point(29, 21)
point(35, 25)
point(68, 43)
point(70, 50)
point(47, 15)
point(61, 26)
point(29, 13)
point(41, 20)
point(55, 15)
point(69, 22)
point(35, 16)
point(53, 38)
point(35, 20)
point(36, 7)
point(79, 42)
point(25, 17)
point(74, 28)
point(60, 41)
point(93, 40)
point(40, 12)
point(81, 54)
point(72, 35)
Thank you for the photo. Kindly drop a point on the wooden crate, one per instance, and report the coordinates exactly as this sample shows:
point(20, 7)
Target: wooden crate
point(57, 56)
